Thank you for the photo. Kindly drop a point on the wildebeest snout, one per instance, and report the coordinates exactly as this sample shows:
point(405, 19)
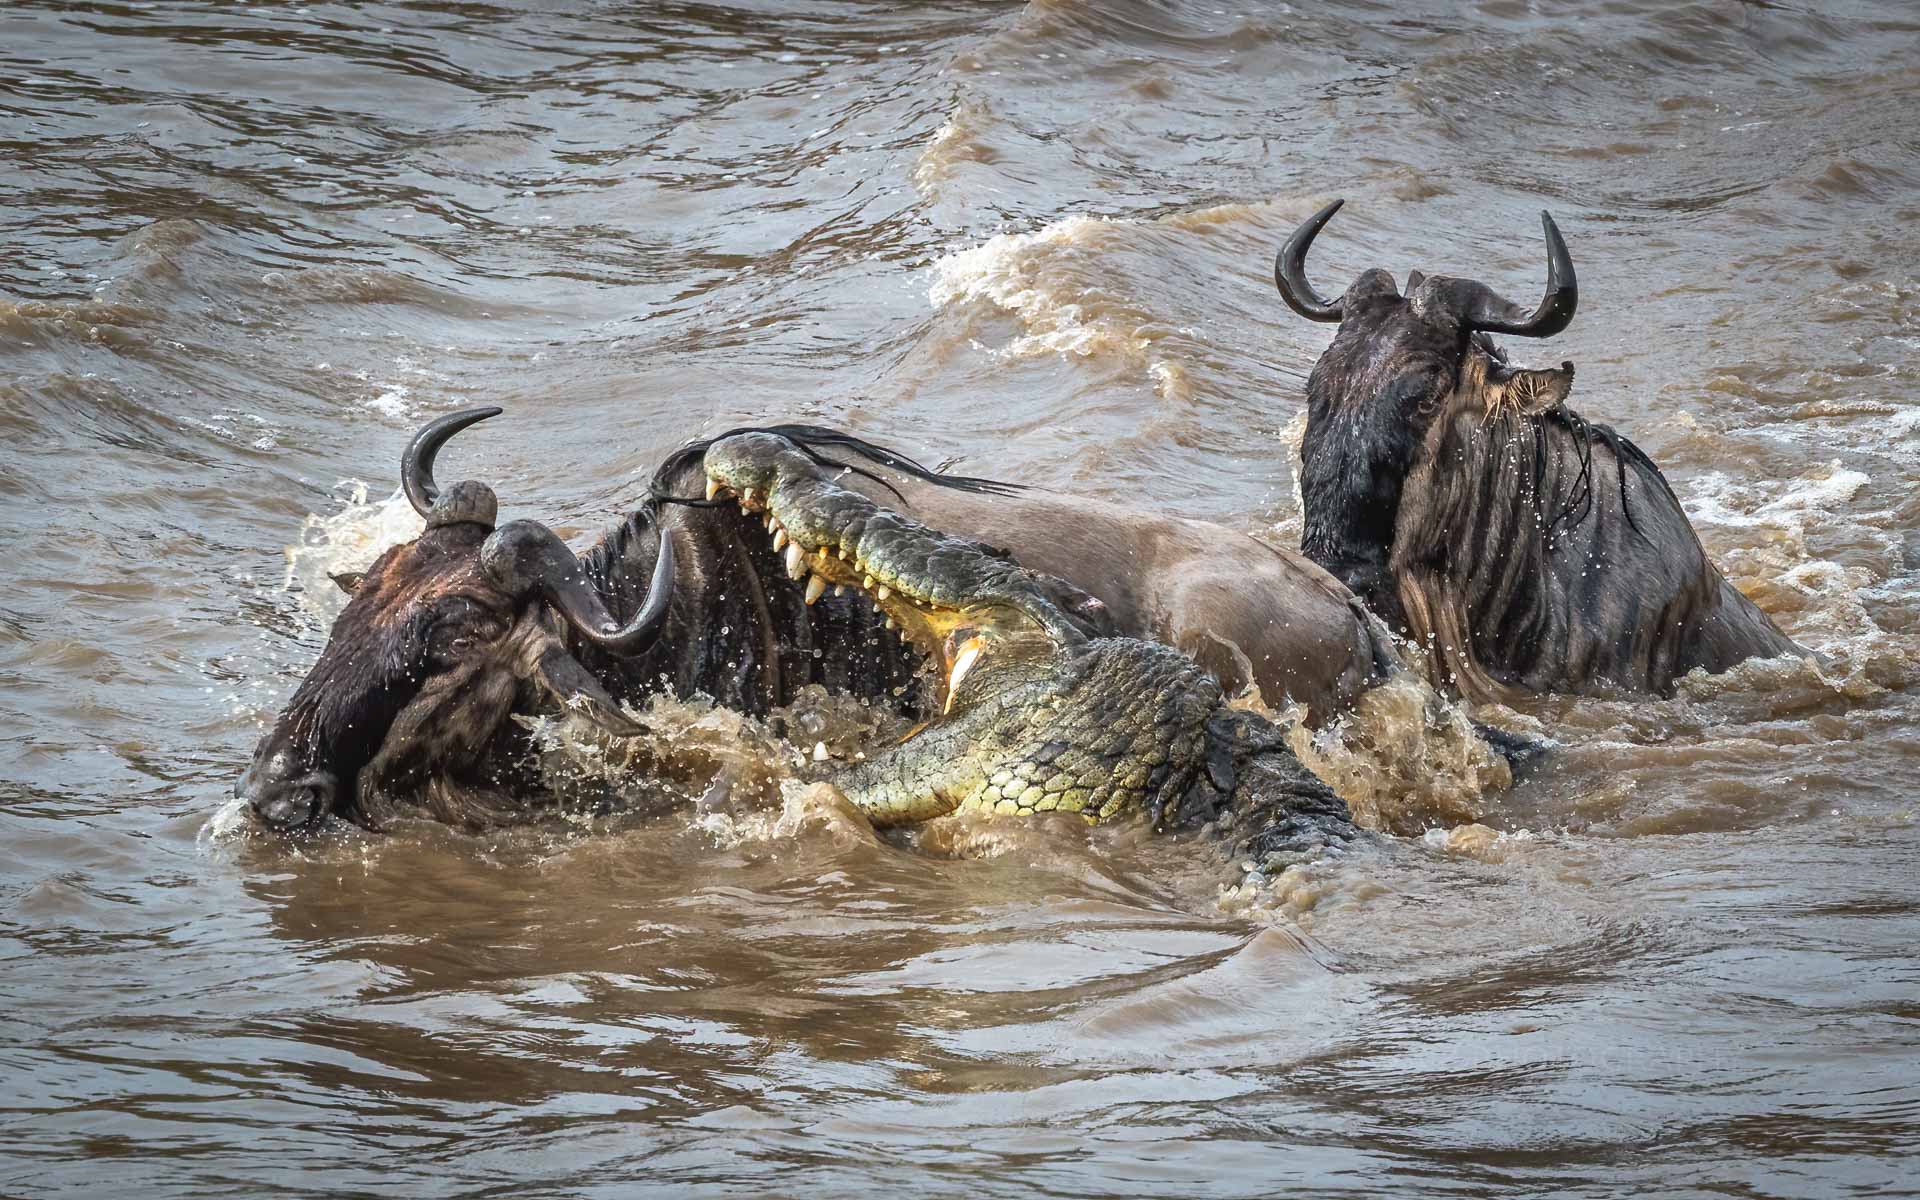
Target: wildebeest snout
point(283, 796)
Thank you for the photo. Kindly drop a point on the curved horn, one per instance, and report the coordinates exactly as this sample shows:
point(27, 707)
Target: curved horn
point(416, 462)
point(1495, 315)
point(524, 555)
point(1290, 269)
point(645, 626)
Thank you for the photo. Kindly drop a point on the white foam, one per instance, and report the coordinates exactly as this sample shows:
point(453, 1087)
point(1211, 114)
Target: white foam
point(1821, 603)
point(1718, 499)
point(393, 402)
point(229, 822)
point(1476, 841)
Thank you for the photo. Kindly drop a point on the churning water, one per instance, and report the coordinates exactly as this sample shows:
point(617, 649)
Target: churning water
point(251, 246)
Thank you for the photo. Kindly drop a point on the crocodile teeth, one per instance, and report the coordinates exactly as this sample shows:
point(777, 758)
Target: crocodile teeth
point(713, 487)
point(815, 586)
point(771, 523)
point(839, 589)
point(796, 561)
point(826, 556)
point(889, 622)
point(962, 663)
point(867, 583)
point(747, 496)
point(882, 593)
point(844, 556)
point(779, 540)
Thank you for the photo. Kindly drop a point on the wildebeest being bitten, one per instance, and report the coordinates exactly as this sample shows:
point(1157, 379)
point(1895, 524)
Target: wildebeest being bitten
point(448, 635)
point(1525, 548)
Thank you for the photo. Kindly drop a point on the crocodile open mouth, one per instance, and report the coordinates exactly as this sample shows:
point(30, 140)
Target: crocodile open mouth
point(954, 600)
point(951, 638)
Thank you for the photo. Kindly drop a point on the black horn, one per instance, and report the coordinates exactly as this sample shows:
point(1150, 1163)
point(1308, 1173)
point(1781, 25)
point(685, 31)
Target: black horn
point(1493, 314)
point(524, 555)
point(1290, 269)
point(416, 463)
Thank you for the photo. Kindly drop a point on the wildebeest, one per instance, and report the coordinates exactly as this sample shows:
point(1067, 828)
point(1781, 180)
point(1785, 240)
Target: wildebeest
point(439, 639)
point(1524, 547)
point(446, 636)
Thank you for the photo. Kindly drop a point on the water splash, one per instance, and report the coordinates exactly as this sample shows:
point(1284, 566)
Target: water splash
point(348, 540)
point(1404, 758)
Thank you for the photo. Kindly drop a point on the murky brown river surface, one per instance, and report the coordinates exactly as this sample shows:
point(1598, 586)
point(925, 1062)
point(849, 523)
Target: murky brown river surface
point(249, 247)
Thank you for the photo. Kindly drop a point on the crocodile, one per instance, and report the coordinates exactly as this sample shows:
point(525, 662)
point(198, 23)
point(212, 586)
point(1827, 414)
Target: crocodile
point(1038, 705)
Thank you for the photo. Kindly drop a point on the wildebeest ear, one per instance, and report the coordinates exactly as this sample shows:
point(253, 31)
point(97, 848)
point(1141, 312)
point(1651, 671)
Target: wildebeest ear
point(348, 581)
point(576, 687)
point(1530, 393)
point(1087, 612)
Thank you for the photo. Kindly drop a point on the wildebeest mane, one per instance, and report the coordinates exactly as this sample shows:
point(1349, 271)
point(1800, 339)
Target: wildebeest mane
point(1580, 494)
point(1569, 504)
point(1517, 573)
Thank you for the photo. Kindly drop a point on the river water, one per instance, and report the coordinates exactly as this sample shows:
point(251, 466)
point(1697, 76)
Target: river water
point(252, 246)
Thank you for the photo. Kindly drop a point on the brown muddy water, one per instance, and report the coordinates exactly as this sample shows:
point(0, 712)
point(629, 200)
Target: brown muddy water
point(251, 246)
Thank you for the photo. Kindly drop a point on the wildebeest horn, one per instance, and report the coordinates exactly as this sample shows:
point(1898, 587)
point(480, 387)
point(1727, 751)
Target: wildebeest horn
point(1495, 315)
point(1290, 269)
point(416, 463)
point(524, 555)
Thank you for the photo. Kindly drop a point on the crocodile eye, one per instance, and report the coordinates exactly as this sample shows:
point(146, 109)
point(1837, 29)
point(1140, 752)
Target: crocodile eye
point(460, 645)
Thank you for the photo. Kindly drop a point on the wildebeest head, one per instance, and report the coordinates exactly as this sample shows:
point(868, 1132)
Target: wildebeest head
point(441, 636)
point(1394, 367)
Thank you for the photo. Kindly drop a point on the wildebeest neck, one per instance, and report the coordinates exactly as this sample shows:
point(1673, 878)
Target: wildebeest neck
point(1537, 551)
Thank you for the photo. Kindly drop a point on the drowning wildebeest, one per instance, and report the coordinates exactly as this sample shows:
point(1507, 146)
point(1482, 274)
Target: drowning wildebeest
point(441, 638)
point(448, 635)
point(1526, 548)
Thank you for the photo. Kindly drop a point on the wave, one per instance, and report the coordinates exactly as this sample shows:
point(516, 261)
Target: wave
point(1075, 286)
point(959, 141)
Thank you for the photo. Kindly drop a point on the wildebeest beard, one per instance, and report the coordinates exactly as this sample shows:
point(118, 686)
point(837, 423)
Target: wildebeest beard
point(1522, 547)
point(451, 752)
point(448, 636)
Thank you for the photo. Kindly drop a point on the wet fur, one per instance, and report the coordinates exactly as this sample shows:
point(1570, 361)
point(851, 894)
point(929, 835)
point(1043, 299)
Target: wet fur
point(437, 749)
point(1254, 615)
point(1523, 547)
point(376, 665)
point(738, 632)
